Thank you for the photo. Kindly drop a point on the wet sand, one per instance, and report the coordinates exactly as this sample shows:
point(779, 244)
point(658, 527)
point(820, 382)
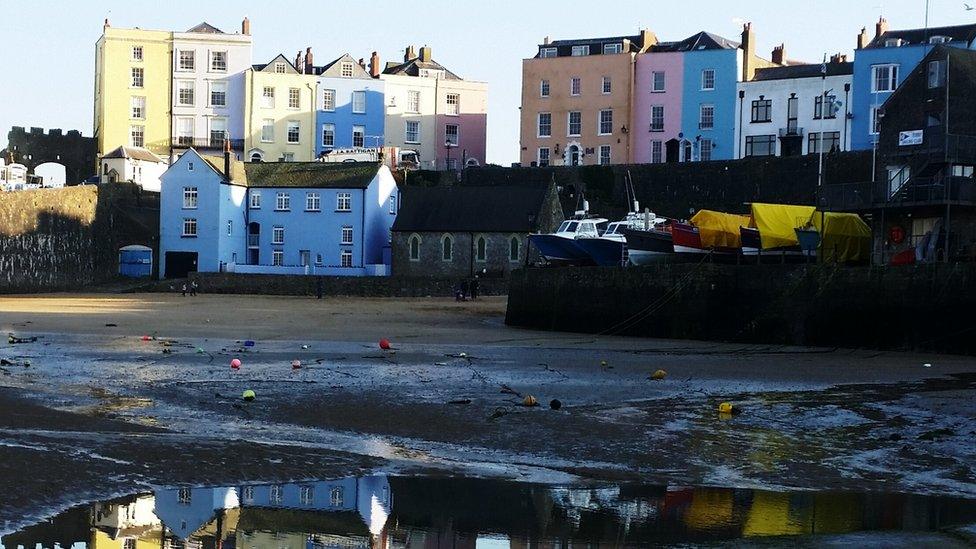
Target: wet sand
point(129, 413)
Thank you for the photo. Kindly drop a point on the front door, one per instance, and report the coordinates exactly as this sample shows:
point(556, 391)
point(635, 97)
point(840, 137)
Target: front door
point(574, 155)
point(672, 151)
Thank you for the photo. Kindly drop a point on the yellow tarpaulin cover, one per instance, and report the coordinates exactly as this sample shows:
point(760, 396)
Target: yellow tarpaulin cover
point(777, 223)
point(847, 238)
point(719, 229)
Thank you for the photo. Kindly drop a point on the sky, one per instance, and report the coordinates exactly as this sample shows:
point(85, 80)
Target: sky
point(49, 45)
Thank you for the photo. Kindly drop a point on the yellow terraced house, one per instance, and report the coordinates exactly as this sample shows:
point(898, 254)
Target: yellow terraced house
point(279, 107)
point(133, 83)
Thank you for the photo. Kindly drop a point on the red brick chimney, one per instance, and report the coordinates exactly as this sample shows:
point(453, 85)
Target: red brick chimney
point(880, 27)
point(246, 27)
point(426, 54)
point(409, 54)
point(862, 39)
point(374, 65)
point(309, 66)
point(779, 54)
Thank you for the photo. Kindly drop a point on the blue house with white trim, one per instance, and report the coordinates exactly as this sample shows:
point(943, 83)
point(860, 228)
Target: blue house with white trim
point(882, 64)
point(275, 217)
point(350, 107)
point(712, 68)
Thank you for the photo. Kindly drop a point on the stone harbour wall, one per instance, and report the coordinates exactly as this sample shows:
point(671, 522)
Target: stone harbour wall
point(366, 286)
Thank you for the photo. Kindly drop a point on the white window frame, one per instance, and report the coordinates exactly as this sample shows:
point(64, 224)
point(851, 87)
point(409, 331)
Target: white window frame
point(255, 201)
point(569, 124)
point(654, 109)
point(608, 157)
point(616, 47)
point(544, 89)
point(413, 101)
point(345, 235)
point(547, 53)
point(343, 202)
point(702, 109)
point(346, 69)
point(138, 53)
point(297, 134)
point(137, 107)
point(539, 157)
point(706, 75)
point(664, 81)
point(657, 152)
point(218, 88)
point(294, 98)
point(706, 144)
point(580, 50)
point(137, 78)
point(607, 85)
point(278, 235)
point(457, 134)
point(191, 198)
point(416, 133)
point(186, 67)
point(345, 262)
point(328, 130)
point(601, 123)
point(393, 203)
point(361, 131)
point(575, 86)
point(267, 97)
point(190, 227)
point(137, 135)
point(282, 202)
point(188, 86)
point(277, 260)
point(214, 56)
point(280, 68)
point(874, 120)
point(414, 238)
point(329, 100)
point(539, 125)
point(453, 104)
point(267, 136)
point(359, 102)
point(313, 201)
point(890, 81)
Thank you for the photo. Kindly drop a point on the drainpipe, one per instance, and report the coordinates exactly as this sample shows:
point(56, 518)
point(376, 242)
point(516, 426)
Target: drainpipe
point(470, 254)
point(847, 110)
point(630, 106)
point(362, 239)
point(742, 95)
point(172, 65)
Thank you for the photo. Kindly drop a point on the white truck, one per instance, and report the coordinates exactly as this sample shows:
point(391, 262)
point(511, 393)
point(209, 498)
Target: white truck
point(394, 157)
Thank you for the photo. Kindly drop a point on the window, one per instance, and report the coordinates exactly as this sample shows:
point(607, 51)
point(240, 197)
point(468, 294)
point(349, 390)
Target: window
point(359, 102)
point(255, 200)
point(961, 170)
point(294, 98)
point(606, 122)
point(762, 110)
point(514, 249)
point(760, 145)
point(575, 123)
point(580, 50)
point(346, 69)
point(137, 136)
point(481, 249)
point(574, 85)
point(831, 142)
point(294, 131)
point(218, 94)
point(876, 120)
point(545, 124)
point(313, 202)
point(547, 52)
point(447, 248)
point(613, 48)
point(708, 80)
point(282, 202)
point(277, 260)
point(451, 134)
point(413, 101)
point(137, 77)
point(306, 495)
point(393, 204)
point(414, 248)
point(189, 227)
point(230, 227)
point(190, 198)
point(267, 130)
point(218, 61)
point(657, 118)
point(657, 81)
point(705, 150)
point(187, 60)
point(358, 136)
point(413, 132)
point(185, 92)
point(343, 202)
point(657, 152)
point(218, 132)
point(345, 260)
point(129, 543)
point(328, 135)
point(346, 236)
point(544, 88)
point(267, 97)
point(543, 157)
point(184, 496)
point(936, 74)
point(453, 104)
point(318, 259)
point(884, 78)
point(607, 86)
point(278, 235)
point(604, 155)
point(706, 117)
point(818, 107)
point(137, 53)
point(328, 100)
point(138, 107)
point(279, 68)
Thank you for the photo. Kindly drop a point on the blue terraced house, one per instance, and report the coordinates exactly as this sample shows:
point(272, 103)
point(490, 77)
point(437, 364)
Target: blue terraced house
point(883, 63)
point(224, 215)
point(350, 107)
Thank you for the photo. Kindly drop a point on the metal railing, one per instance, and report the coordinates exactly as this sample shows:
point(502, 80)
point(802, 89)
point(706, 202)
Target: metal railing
point(916, 191)
point(792, 131)
point(206, 143)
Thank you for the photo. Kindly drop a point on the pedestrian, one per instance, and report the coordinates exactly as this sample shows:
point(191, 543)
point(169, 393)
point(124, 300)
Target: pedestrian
point(184, 289)
point(193, 288)
point(318, 288)
point(474, 288)
point(464, 290)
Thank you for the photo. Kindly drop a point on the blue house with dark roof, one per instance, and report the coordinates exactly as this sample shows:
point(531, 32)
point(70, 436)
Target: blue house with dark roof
point(882, 64)
point(223, 215)
point(350, 110)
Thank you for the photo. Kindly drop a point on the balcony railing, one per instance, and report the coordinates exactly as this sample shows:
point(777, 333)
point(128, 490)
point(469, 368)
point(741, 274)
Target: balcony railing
point(206, 143)
point(916, 191)
point(791, 132)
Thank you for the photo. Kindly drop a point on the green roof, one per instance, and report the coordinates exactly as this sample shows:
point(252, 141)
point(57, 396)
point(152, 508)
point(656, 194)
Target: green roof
point(347, 175)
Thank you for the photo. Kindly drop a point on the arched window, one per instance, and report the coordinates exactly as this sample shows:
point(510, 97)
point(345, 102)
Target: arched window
point(447, 248)
point(414, 248)
point(513, 248)
point(482, 249)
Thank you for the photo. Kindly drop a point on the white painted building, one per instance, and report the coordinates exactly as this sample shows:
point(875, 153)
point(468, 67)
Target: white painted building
point(13, 177)
point(208, 87)
point(133, 164)
point(779, 111)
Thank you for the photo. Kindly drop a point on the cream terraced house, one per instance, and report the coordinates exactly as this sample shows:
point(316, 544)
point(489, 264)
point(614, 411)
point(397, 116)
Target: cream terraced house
point(279, 121)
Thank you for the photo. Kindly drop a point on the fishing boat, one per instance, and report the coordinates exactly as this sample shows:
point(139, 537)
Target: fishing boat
point(611, 248)
point(773, 233)
point(561, 247)
point(709, 232)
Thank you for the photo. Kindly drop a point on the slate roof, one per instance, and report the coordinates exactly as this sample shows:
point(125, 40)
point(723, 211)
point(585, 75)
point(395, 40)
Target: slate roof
point(135, 153)
point(697, 42)
point(205, 28)
point(492, 208)
point(260, 67)
point(237, 174)
point(809, 70)
point(321, 175)
point(919, 36)
point(358, 71)
point(413, 67)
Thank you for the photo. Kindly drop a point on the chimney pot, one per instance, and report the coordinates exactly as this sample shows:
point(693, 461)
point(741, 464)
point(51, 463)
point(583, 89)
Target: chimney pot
point(862, 39)
point(246, 27)
point(779, 54)
point(881, 27)
point(374, 65)
point(409, 54)
point(545, 40)
point(308, 61)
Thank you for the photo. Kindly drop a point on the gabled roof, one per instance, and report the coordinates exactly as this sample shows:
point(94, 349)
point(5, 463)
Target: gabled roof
point(269, 66)
point(413, 67)
point(237, 174)
point(809, 70)
point(697, 42)
point(462, 208)
point(322, 175)
point(334, 68)
point(205, 28)
point(965, 33)
point(134, 153)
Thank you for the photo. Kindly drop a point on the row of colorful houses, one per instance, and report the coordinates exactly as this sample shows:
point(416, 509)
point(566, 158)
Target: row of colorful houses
point(171, 91)
point(637, 99)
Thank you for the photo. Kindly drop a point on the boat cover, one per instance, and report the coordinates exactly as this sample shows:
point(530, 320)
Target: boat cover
point(719, 229)
point(846, 237)
point(777, 223)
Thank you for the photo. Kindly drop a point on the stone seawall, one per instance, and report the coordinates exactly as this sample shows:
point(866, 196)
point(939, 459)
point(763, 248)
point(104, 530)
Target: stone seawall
point(924, 307)
point(63, 239)
point(371, 286)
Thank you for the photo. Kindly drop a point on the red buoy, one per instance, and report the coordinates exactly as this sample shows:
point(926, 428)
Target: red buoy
point(385, 344)
point(235, 364)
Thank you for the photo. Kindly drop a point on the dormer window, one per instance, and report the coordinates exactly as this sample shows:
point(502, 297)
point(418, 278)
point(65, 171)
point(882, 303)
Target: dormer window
point(613, 48)
point(579, 51)
point(939, 39)
point(547, 52)
point(893, 43)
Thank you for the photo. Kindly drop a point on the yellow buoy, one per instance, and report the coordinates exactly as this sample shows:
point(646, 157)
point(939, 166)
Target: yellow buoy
point(725, 408)
point(659, 374)
point(248, 395)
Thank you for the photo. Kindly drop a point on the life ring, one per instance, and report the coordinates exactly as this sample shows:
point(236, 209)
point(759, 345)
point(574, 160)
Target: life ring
point(896, 234)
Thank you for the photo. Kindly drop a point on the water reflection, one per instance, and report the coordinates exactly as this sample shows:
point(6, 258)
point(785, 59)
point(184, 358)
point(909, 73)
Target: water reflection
point(406, 512)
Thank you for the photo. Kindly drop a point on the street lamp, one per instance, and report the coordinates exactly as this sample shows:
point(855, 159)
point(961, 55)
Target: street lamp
point(448, 145)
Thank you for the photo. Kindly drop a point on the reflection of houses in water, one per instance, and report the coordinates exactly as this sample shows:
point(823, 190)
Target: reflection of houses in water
point(126, 523)
point(186, 510)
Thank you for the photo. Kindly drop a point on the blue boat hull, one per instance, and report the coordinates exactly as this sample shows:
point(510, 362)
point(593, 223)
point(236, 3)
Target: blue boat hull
point(604, 252)
point(558, 249)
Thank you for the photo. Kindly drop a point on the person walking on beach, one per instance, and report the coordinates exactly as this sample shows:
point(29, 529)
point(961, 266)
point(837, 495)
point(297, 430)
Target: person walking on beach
point(193, 288)
point(183, 288)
